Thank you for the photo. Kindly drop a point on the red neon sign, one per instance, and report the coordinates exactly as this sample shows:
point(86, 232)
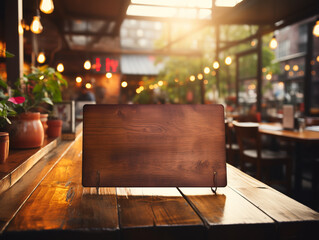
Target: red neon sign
point(111, 65)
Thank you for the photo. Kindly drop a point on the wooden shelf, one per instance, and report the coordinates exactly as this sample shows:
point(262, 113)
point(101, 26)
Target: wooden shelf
point(21, 161)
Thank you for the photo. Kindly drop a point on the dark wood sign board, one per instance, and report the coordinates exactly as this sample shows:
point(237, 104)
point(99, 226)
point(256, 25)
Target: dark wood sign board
point(153, 146)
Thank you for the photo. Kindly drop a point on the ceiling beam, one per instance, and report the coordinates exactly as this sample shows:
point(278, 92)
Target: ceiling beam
point(119, 20)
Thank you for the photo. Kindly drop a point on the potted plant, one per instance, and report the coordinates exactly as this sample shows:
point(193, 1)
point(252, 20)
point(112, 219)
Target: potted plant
point(41, 89)
point(6, 111)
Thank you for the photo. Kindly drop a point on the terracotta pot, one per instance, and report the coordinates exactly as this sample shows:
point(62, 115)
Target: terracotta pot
point(26, 131)
point(44, 120)
point(4, 146)
point(54, 127)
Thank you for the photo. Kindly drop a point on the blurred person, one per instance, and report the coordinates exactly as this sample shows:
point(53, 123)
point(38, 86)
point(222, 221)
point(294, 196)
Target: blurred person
point(85, 94)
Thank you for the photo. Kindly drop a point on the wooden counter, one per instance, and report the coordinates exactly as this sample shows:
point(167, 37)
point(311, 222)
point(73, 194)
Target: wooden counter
point(52, 204)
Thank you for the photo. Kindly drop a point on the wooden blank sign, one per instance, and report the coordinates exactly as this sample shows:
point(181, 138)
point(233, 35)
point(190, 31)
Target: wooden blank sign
point(153, 146)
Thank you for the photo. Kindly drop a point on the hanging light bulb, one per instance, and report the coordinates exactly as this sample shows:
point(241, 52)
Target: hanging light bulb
point(41, 57)
point(273, 42)
point(228, 60)
point(36, 26)
point(216, 65)
point(60, 67)
point(315, 30)
point(87, 65)
point(46, 6)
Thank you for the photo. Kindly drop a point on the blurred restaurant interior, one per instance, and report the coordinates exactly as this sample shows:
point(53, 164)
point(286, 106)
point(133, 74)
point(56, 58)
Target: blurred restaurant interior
point(254, 57)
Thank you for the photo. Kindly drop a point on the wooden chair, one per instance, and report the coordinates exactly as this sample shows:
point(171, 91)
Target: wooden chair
point(232, 148)
point(252, 151)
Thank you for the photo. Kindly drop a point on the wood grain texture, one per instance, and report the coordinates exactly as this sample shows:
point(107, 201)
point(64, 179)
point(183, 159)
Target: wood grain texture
point(15, 196)
point(294, 220)
point(61, 203)
point(153, 145)
point(21, 161)
point(228, 208)
point(162, 213)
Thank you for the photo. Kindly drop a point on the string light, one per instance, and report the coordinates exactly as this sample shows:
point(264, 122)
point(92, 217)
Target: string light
point(41, 57)
point(200, 76)
point(87, 65)
point(78, 79)
point(88, 85)
point(206, 70)
point(228, 60)
point(108, 75)
point(192, 78)
point(216, 65)
point(273, 42)
point(46, 6)
point(36, 26)
point(315, 30)
point(124, 84)
point(60, 67)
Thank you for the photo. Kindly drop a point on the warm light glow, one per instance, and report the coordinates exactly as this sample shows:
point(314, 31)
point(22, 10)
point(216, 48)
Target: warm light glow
point(206, 70)
point(46, 6)
point(216, 65)
point(176, 80)
point(171, 8)
point(108, 75)
point(200, 76)
point(20, 29)
point(177, 3)
point(160, 83)
point(228, 60)
point(41, 57)
point(87, 65)
point(281, 85)
point(287, 67)
point(36, 26)
point(227, 3)
point(41, 77)
point(273, 43)
point(252, 87)
point(88, 85)
point(269, 76)
point(60, 67)
point(316, 29)
point(295, 68)
point(205, 81)
point(151, 87)
point(317, 58)
point(124, 84)
point(264, 69)
point(192, 78)
point(253, 43)
point(291, 73)
point(78, 79)
point(213, 73)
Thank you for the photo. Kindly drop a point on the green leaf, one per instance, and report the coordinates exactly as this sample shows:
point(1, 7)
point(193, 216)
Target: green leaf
point(3, 84)
point(47, 100)
point(9, 55)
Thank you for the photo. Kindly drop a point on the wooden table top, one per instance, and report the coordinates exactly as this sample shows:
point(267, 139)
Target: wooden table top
point(59, 207)
point(306, 135)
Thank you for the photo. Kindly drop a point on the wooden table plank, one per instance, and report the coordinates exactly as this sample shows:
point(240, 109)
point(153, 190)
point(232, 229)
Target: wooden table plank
point(15, 196)
point(228, 215)
point(162, 213)
point(293, 218)
point(21, 161)
point(61, 204)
